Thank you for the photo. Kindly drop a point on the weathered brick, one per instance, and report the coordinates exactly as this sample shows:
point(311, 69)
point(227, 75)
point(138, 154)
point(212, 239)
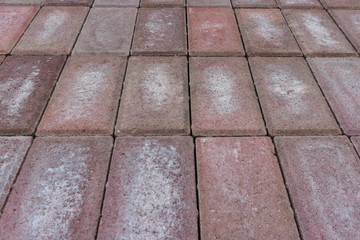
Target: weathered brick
point(116, 3)
point(291, 101)
point(339, 79)
point(26, 83)
point(356, 142)
point(22, 2)
point(155, 97)
point(163, 3)
point(151, 190)
point(241, 190)
point(317, 34)
point(69, 2)
point(349, 4)
point(107, 31)
point(299, 4)
point(59, 191)
point(266, 33)
point(223, 99)
point(209, 3)
point(160, 31)
point(52, 32)
point(13, 22)
point(322, 175)
point(254, 3)
point(213, 32)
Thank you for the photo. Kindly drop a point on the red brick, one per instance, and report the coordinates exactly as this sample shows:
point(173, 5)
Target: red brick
point(317, 34)
point(162, 3)
point(116, 3)
point(290, 98)
point(339, 79)
point(22, 2)
point(12, 152)
point(223, 99)
point(356, 142)
point(69, 2)
point(322, 175)
point(13, 22)
point(160, 31)
point(155, 97)
point(151, 190)
point(241, 190)
point(26, 83)
point(254, 3)
point(266, 33)
point(52, 32)
point(350, 4)
point(213, 32)
point(209, 3)
point(59, 191)
point(299, 4)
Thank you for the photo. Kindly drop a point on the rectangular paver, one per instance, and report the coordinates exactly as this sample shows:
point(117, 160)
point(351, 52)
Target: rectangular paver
point(349, 4)
point(52, 32)
point(160, 31)
point(116, 3)
point(339, 79)
point(356, 142)
point(254, 3)
point(209, 3)
point(13, 22)
point(213, 32)
point(26, 83)
point(59, 191)
point(266, 33)
point(163, 3)
point(107, 31)
point(322, 175)
point(317, 34)
point(69, 2)
point(290, 98)
point(155, 98)
point(299, 4)
point(22, 2)
point(151, 190)
point(223, 99)
point(86, 98)
point(241, 190)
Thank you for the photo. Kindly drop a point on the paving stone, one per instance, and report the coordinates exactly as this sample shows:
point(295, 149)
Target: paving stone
point(213, 32)
point(349, 22)
point(151, 190)
point(69, 2)
point(2, 59)
point(299, 4)
point(356, 142)
point(155, 97)
point(86, 98)
point(254, 3)
point(26, 83)
point(266, 33)
point(241, 190)
point(163, 3)
point(22, 2)
point(53, 31)
point(12, 154)
point(59, 191)
point(350, 4)
point(13, 22)
point(107, 31)
point(116, 3)
point(317, 34)
point(160, 31)
point(223, 99)
point(290, 98)
point(339, 79)
point(209, 3)
point(322, 175)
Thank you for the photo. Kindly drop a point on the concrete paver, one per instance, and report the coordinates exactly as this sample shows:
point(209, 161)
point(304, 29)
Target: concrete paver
point(349, 4)
point(22, 2)
point(69, 2)
point(209, 3)
point(163, 3)
point(2, 59)
point(254, 3)
point(116, 3)
point(299, 4)
point(356, 142)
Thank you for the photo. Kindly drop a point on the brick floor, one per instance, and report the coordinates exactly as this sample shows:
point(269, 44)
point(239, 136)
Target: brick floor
point(116, 3)
point(209, 3)
point(22, 2)
point(356, 142)
point(299, 4)
point(350, 4)
point(69, 2)
point(163, 3)
point(2, 59)
point(254, 3)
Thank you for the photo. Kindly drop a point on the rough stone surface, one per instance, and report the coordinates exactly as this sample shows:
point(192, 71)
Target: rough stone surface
point(356, 142)
point(115, 3)
point(163, 3)
point(254, 3)
point(291, 101)
point(52, 32)
point(241, 190)
point(22, 2)
point(13, 22)
point(299, 4)
point(69, 2)
point(26, 83)
point(155, 97)
point(12, 153)
point(223, 99)
point(266, 33)
point(86, 98)
point(160, 31)
point(151, 190)
point(213, 32)
point(339, 79)
point(350, 4)
point(317, 34)
point(209, 3)
point(322, 175)
point(107, 31)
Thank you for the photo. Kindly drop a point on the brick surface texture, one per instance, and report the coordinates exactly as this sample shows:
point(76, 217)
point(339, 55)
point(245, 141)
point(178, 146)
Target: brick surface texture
point(349, 4)
point(254, 3)
point(299, 4)
point(116, 3)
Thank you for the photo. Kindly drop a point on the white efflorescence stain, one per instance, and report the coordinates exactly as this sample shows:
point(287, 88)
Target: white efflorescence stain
point(6, 19)
point(265, 28)
point(212, 31)
point(51, 24)
point(157, 27)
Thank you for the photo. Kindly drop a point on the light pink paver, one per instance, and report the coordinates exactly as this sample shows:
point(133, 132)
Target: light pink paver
point(151, 190)
point(322, 175)
point(223, 99)
point(86, 98)
point(13, 22)
point(209, 3)
point(356, 142)
point(339, 79)
point(317, 34)
point(350, 4)
point(254, 3)
point(52, 32)
point(12, 153)
point(107, 31)
point(116, 3)
point(22, 2)
point(163, 3)
point(291, 101)
point(299, 4)
point(69, 2)
point(59, 191)
point(213, 32)
point(241, 190)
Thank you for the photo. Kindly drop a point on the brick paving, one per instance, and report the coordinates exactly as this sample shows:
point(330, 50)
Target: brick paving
point(171, 119)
